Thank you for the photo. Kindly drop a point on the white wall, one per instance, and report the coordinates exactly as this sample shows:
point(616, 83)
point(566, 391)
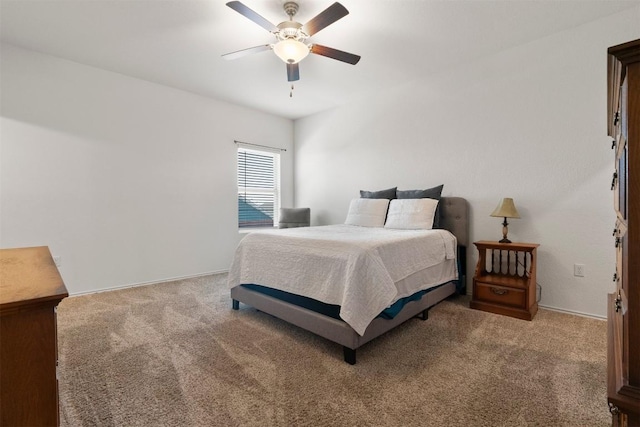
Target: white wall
point(127, 181)
point(528, 123)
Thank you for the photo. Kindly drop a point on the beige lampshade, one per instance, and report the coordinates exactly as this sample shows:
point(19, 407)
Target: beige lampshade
point(506, 209)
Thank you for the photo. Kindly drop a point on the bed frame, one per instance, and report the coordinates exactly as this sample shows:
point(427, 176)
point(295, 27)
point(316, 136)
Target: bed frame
point(454, 216)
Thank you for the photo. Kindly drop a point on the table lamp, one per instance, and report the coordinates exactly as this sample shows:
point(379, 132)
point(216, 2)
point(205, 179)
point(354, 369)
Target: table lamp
point(506, 209)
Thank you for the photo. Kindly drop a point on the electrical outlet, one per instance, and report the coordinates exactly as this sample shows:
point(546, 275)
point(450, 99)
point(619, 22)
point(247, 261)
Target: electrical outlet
point(57, 260)
point(578, 270)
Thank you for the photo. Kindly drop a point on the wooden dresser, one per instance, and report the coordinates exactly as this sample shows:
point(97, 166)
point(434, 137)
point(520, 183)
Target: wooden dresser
point(30, 290)
point(623, 359)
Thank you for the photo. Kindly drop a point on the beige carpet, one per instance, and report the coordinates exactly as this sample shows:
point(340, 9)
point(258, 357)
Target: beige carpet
point(175, 354)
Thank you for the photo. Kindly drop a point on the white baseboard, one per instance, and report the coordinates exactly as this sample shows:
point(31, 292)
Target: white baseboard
point(191, 276)
point(152, 282)
point(577, 313)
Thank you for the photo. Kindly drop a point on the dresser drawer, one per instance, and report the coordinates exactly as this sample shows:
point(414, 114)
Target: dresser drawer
point(500, 294)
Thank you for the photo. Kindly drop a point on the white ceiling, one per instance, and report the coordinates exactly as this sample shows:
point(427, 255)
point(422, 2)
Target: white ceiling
point(179, 43)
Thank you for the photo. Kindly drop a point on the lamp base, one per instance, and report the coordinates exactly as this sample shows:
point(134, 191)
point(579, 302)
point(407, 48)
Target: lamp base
point(505, 230)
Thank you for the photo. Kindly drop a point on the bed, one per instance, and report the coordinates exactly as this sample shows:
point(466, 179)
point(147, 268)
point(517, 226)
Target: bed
point(355, 315)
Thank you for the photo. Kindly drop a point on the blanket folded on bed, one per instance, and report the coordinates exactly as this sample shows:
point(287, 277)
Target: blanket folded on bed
point(350, 266)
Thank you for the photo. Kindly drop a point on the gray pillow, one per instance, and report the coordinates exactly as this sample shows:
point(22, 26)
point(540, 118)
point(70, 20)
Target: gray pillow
point(429, 193)
point(389, 193)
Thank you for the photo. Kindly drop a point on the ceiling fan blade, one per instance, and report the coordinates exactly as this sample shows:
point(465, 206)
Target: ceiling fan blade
point(340, 55)
point(326, 18)
point(244, 52)
point(252, 15)
point(293, 72)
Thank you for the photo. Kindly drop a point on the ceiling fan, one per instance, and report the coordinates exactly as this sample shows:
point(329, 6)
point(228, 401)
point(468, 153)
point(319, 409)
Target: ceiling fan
point(291, 36)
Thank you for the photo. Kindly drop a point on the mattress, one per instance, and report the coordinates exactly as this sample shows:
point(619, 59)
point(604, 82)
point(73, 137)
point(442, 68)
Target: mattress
point(360, 269)
point(334, 310)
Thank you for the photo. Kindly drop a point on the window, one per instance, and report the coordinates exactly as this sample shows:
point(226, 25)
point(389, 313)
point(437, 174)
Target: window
point(258, 188)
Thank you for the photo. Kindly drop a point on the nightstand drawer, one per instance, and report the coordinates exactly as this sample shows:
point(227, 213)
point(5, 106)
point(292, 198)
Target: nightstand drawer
point(500, 294)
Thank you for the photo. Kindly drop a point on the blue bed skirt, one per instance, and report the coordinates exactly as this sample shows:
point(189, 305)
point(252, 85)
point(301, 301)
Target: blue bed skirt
point(332, 310)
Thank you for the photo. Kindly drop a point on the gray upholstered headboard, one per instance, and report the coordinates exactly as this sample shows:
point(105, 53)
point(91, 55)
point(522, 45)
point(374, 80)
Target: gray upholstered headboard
point(454, 216)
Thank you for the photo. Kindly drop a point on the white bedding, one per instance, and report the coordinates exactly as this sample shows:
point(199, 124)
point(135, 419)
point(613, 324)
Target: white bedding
point(354, 267)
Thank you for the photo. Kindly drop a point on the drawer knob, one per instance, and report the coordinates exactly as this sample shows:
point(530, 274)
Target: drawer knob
point(613, 409)
point(499, 291)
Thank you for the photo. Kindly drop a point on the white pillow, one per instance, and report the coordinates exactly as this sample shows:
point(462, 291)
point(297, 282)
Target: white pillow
point(411, 214)
point(367, 212)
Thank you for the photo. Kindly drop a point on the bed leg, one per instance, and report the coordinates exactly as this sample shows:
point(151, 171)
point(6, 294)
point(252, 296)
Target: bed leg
point(424, 315)
point(462, 252)
point(235, 304)
point(349, 355)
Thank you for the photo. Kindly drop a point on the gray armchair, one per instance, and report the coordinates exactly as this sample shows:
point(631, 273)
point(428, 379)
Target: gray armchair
point(294, 217)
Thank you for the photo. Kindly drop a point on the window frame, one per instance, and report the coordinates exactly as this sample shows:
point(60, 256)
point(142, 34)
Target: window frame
point(245, 190)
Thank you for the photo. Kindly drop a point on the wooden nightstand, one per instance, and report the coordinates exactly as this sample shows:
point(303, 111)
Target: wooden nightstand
point(505, 279)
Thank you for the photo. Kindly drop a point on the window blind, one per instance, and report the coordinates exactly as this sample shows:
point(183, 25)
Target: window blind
point(258, 188)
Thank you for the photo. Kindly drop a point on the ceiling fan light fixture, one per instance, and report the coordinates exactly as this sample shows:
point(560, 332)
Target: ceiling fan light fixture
point(291, 51)
point(291, 36)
